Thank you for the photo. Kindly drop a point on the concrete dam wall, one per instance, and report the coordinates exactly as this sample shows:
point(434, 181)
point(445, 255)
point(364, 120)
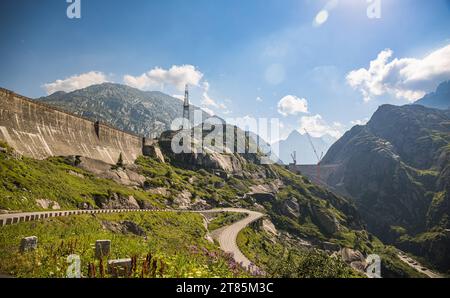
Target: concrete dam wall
point(40, 131)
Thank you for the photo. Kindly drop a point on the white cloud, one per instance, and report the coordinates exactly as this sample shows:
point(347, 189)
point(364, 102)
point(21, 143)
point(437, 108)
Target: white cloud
point(405, 78)
point(158, 78)
point(259, 99)
point(76, 82)
point(292, 105)
point(318, 127)
point(207, 100)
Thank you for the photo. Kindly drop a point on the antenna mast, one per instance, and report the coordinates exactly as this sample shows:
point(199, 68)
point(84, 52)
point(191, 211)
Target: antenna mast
point(186, 114)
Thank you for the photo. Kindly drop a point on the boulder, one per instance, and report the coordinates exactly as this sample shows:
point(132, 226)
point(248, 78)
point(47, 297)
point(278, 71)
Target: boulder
point(349, 255)
point(124, 227)
point(359, 266)
point(330, 246)
point(183, 200)
point(290, 208)
point(132, 227)
point(85, 206)
point(116, 201)
point(48, 204)
point(260, 197)
point(269, 227)
point(326, 221)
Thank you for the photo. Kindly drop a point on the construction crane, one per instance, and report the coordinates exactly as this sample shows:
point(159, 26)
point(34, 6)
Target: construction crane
point(294, 157)
point(319, 158)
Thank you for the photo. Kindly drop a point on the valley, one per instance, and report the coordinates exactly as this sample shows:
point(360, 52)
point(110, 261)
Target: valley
point(289, 219)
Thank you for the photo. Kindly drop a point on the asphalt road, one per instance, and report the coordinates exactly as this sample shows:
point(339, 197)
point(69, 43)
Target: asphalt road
point(227, 236)
point(414, 264)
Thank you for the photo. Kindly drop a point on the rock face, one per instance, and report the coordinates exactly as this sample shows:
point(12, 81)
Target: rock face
point(290, 208)
point(48, 204)
point(116, 201)
point(349, 255)
point(198, 154)
point(128, 175)
point(124, 227)
point(439, 99)
point(397, 170)
point(185, 201)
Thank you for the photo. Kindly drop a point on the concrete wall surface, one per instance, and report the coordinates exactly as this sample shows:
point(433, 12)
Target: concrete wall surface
point(39, 131)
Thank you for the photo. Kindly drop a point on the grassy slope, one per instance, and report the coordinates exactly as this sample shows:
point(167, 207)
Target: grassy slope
point(22, 181)
point(225, 219)
point(291, 261)
point(279, 260)
point(175, 240)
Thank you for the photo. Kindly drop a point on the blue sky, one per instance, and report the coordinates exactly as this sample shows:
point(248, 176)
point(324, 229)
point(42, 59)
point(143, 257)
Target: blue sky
point(262, 58)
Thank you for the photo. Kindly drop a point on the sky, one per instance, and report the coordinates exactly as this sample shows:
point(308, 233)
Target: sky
point(320, 65)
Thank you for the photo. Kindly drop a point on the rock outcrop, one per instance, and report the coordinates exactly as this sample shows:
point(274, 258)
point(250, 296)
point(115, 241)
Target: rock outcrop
point(325, 220)
point(115, 201)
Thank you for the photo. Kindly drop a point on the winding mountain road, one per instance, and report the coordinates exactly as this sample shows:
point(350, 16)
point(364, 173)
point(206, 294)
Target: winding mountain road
point(417, 266)
point(226, 236)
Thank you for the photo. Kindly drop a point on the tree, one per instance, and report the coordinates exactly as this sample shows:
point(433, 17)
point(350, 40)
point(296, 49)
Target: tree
point(119, 163)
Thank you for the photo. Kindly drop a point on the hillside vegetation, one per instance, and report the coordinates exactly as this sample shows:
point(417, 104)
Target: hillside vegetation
point(298, 208)
point(163, 244)
point(396, 168)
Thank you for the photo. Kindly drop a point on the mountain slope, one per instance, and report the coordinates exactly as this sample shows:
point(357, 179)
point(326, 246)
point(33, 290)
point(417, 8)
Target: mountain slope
point(146, 113)
point(300, 143)
point(439, 99)
point(396, 168)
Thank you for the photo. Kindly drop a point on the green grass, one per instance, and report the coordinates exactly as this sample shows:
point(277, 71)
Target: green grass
point(288, 261)
point(224, 219)
point(25, 180)
point(175, 240)
point(201, 184)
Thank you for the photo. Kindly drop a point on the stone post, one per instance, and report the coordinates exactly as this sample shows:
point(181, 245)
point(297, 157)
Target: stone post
point(28, 244)
point(102, 248)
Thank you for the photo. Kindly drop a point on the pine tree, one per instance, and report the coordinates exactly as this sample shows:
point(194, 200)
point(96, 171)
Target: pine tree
point(119, 163)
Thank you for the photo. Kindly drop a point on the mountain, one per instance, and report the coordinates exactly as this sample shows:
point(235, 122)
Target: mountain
point(146, 113)
point(299, 142)
point(439, 99)
point(397, 170)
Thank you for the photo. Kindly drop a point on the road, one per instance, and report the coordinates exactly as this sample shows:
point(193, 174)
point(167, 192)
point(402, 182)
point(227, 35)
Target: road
point(226, 236)
point(414, 264)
